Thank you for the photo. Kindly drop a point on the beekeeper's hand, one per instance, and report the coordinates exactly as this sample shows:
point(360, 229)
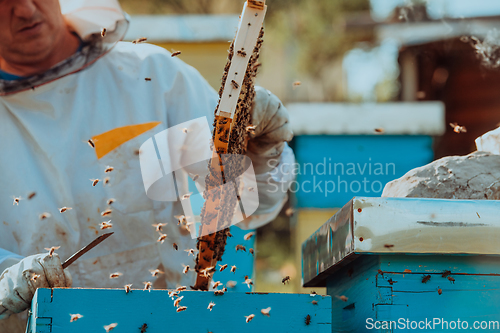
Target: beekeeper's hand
point(19, 282)
point(272, 130)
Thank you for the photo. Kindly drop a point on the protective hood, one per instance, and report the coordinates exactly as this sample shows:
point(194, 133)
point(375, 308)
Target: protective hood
point(87, 18)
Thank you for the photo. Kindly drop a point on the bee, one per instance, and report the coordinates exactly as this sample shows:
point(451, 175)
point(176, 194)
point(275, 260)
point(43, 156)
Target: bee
point(235, 84)
point(452, 280)
point(110, 201)
point(426, 278)
point(233, 269)
point(103, 32)
point(147, 286)
point(43, 216)
point(186, 269)
point(206, 272)
point(285, 280)
point(147, 79)
point(307, 320)
point(218, 292)
point(289, 211)
point(74, 317)
point(52, 249)
point(176, 247)
point(159, 226)
point(180, 218)
point(162, 238)
point(248, 236)
point(127, 288)
point(94, 181)
point(63, 209)
point(172, 294)
point(181, 288)
point(109, 327)
point(106, 212)
point(379, 130)
point(155, 272)
point(108, 169)
point(210, 306)
point(391, 282)
point(34, 277)
point(190, 251)
point(231, 284)
point(222, 267)
point(296, 84)
point(143, 328)
point(216, 284)
point(177, 301)
point(181, 308)
point(224, 290)
point(106, 225)
point(251, 251)
point(314, 302)
point(240, 247)
point(105, 181)
point(248, 281)
point(91, 143)
point(16, 201)
point(241, 53)
point(186, 196)
point(266, 311)
point(137, 152)
point(31, 195)
point(342, 298)
point(195, 177)
point(251, 189)
point(115, 275)
point(249, 318)
point(478, 215)
point(440, 291)
point(388, 246)
point(457, 128)
point(256, 66)
point(139, 40)
point(407, 270)
point(445, 273)
point(185, 130)
point(313, 293)
point(175, 54)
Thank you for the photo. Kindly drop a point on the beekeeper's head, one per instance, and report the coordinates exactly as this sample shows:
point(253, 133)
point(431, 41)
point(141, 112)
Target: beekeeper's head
point(30, 30)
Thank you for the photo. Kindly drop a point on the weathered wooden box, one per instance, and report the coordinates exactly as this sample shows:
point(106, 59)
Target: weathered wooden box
point(393, 264)
point(51, 309)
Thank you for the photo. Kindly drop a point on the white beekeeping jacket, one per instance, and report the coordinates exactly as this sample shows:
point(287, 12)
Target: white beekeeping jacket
point(102, 93)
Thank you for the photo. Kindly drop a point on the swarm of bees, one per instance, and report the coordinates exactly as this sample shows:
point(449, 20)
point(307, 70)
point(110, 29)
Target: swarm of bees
point(457, 128)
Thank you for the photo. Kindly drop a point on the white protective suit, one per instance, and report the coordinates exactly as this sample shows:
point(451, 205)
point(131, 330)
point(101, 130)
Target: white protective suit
point(44, 133)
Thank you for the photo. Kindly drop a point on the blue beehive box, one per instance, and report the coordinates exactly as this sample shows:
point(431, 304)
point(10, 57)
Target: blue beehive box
point(155, 312)
point(396, 264)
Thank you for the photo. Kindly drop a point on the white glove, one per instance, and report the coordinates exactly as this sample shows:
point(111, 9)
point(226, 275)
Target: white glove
point(272, 129)
point(19, 282)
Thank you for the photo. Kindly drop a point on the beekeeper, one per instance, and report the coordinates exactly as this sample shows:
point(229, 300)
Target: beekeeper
point(62, 83)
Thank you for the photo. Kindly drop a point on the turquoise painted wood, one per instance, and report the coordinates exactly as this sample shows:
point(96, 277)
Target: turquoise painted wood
point(51, 309)
point(389, 288)
point(331, 169)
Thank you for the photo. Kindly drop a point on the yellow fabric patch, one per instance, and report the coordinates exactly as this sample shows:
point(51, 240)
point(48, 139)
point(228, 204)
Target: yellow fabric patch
point(106, 142)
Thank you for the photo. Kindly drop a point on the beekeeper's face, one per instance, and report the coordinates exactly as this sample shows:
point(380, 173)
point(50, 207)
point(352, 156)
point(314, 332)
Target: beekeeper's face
point(29, 29)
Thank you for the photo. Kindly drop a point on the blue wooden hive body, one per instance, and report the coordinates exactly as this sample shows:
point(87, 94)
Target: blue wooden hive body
point(393, 264)
point(51, 309)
